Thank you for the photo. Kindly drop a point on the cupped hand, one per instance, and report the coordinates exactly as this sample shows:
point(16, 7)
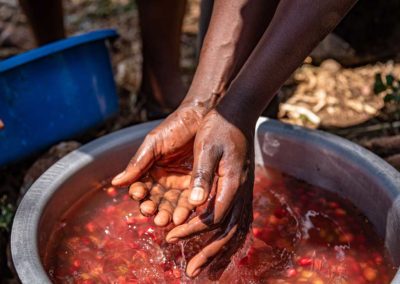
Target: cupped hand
point(159, 173)
point(164, 191)
point(171, 140)
point(223, 153)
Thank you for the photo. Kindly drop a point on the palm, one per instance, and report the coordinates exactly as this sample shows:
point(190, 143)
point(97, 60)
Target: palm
point(164, 191)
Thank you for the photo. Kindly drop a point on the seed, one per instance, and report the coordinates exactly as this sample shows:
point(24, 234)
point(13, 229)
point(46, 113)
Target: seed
point(346, 238)
point(257, 232)
point(176, 273)
point(291, 272)
point(305, 261)
point(339, 212)
point(111, 191)
point(130, 220)
point(369, 273)
point(256, 214)
point(333, 204)
point(76, 263)
point(90, 227)
point(273, 220)
point(378, 259)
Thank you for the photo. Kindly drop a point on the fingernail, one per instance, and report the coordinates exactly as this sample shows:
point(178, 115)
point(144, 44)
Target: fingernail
point(196, 272)
point(197, 194)
point(119, 176)
point(172, 240)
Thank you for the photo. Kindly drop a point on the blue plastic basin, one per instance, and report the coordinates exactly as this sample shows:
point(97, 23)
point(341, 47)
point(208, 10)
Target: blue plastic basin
point(55, 92)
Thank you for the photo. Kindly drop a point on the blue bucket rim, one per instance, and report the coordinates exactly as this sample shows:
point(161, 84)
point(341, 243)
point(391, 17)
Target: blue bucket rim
point(55, 47)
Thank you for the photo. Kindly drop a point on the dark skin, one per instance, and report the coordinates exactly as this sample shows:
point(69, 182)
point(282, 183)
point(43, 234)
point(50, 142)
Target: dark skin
point(176, 134)
point(223, 142)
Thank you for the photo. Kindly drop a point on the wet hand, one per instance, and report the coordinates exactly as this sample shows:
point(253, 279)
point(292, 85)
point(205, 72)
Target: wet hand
point(223, 154)
point(171, 140)
point(159, 172)
point(164, 192)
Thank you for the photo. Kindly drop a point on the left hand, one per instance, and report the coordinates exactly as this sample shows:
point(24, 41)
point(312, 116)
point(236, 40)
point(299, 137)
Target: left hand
point(224, 152)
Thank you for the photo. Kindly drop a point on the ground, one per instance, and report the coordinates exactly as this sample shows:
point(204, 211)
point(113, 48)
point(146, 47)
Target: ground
point(328, 96)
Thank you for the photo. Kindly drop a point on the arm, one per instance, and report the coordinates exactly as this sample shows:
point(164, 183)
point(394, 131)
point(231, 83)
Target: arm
point(297, 27)
point(224, 143)
point(228, 44)
point(235, 29)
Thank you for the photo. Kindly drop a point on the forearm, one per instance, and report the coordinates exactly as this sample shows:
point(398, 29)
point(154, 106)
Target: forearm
point(235, 29)
point(297, 27)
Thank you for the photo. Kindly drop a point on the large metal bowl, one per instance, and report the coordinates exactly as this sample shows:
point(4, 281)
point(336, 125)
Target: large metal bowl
point(316, 157)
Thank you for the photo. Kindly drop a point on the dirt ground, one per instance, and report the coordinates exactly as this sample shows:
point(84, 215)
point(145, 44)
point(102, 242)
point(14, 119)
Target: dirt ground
point(328, 96)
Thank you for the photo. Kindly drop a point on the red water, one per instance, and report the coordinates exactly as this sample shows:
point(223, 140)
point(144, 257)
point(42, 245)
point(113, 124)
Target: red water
point(301, 234)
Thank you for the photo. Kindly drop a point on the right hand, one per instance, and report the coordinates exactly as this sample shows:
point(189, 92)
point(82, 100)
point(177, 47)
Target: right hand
point(159, 172)
point(170, 140)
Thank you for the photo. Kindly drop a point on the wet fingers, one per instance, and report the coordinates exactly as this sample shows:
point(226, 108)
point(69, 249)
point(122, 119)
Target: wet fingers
point(166, 207)
point(183, 208)
point(138, 191)
point(196, 264)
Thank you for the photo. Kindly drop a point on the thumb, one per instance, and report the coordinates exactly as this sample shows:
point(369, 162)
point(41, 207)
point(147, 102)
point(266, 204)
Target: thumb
point(205, 161)
point(138, 165)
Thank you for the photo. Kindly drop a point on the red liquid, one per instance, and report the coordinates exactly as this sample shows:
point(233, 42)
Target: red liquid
point(301, 234)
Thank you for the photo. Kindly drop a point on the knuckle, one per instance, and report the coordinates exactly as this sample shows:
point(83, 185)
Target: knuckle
point(152, 135)
point(202, 176)
point(210, 149)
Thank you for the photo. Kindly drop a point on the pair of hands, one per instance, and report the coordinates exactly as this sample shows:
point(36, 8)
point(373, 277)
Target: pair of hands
point(195, 157)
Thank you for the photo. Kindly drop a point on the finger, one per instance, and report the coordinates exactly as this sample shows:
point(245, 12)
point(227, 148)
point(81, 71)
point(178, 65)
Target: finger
point(138, 191)
point(206, 254)
point(195, 265)
point(205, 222)
point(166, 208)
point(205, 160)
point(162, 218)
point(196, 225)
point(183, 208)
point(228, 185)
point(149, 207)
point(138, 165)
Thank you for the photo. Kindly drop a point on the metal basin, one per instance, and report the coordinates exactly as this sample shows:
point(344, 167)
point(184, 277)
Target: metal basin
point(316, 157)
